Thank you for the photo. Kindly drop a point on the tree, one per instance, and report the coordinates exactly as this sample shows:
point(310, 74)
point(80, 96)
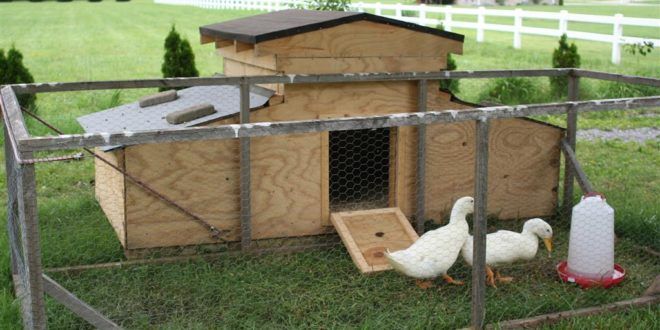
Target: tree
point(335, 5)
point(449, 84)
point(179, 59)
point(12, 71)
point(564, 56)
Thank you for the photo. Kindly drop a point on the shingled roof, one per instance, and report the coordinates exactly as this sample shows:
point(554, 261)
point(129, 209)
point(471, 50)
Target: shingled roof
point(279, 24)
point(131, 117)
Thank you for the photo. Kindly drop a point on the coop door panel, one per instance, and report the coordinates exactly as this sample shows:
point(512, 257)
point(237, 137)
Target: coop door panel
point(367, 234)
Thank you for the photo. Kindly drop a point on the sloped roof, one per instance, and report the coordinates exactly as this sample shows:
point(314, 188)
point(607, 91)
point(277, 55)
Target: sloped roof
point(131, 117)
point(279, 24)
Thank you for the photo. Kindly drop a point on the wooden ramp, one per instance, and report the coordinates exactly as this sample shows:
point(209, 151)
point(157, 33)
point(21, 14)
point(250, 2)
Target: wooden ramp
point(368, 233)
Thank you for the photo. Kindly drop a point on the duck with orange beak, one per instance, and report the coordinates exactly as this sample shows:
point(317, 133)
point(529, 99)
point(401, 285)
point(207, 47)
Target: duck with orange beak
point(506, 247)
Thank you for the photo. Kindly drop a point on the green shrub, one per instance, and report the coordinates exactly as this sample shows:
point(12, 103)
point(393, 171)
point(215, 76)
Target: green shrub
point(449, 84)
point(512, 91)
point(12, 71)
point(564, 56)
point(614, 90)
point(179, 59)
point(334, 5)
point(94, 0)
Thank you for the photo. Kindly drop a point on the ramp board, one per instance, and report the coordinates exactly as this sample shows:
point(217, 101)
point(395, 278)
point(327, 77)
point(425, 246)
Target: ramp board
point(368, 233)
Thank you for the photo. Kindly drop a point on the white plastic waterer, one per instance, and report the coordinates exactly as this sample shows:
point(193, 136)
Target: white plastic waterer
point(591, 243)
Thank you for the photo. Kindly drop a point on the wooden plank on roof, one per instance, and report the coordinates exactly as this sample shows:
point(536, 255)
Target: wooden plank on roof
point(283, 23)
point(221, 43)
point(267, 61)
point(241, 46)
point(205, 39)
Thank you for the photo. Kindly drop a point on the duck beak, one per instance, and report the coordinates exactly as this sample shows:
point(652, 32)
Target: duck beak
point(548, 244)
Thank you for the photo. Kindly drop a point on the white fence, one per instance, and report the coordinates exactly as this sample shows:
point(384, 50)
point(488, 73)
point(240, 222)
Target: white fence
point(420, 14)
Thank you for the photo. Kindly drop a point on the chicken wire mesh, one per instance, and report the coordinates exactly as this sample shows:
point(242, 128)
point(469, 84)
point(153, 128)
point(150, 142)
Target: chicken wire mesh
point(306, 281)
point(359, 169)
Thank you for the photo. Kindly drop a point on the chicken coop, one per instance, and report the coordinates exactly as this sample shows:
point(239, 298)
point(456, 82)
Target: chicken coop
point(299, 180)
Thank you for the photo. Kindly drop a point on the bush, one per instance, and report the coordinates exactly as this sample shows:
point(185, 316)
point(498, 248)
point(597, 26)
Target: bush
point(179, 59)
point(563, 57)
point(334, 5)
point(64, 0)
point(12, 71)
point(512, 91)
point(449, 84)
point(614, 90)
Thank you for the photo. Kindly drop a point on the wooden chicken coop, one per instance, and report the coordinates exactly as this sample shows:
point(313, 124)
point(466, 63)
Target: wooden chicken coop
point(295, 177)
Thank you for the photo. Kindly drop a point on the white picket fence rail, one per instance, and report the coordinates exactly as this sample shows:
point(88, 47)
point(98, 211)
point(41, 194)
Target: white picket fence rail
point(419, 14)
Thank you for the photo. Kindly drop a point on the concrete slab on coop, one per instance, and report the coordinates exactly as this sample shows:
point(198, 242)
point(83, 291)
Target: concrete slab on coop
point(368, 233)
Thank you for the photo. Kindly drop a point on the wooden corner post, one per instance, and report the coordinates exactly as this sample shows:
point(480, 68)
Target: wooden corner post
point(421, 159)
point(23, 223)
point(245, 179)
point(479, 225)
point(571, 132)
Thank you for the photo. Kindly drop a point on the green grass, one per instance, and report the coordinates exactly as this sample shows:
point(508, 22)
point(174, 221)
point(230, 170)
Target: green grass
point(109, 40)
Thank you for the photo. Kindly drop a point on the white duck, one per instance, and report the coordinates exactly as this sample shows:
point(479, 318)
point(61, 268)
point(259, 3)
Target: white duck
point(505, 247)
point(433, 253)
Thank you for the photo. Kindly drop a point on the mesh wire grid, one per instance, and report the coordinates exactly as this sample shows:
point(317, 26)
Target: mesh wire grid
point(317, 285)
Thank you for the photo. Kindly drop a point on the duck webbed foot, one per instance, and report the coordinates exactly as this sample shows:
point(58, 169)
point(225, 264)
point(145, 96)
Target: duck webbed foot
point(490, 277)
point(450, 280)
point(424, 284)
point(503, 279)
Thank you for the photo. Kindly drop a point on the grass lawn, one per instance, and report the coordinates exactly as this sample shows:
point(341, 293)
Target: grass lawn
point(109, 40)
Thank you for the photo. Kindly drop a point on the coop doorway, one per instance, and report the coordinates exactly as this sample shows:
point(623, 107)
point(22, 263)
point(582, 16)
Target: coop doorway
point(359, 164)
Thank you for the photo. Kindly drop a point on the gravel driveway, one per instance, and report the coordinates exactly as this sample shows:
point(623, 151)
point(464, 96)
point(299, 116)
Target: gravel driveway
point(638, 135)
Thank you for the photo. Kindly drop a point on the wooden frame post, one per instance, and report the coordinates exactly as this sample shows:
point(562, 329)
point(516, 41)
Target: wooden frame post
point(571, 132)
point(479, 225)
point(24, 224)
point(421, 159)
point(245, 175)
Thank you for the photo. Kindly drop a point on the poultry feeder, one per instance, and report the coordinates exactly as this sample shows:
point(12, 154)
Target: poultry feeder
point(591, 245)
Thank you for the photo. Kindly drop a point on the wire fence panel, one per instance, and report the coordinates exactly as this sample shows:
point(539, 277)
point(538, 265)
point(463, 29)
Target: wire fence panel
point(138, 257)
point(23, 236)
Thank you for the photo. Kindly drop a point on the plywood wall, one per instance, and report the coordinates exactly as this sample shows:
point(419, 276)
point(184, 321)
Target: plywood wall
point(353, 47)
point(360, 39)
point(109, 189)
point(202, 176)
point(523, 168)
point(237, 68)
point(287, 171)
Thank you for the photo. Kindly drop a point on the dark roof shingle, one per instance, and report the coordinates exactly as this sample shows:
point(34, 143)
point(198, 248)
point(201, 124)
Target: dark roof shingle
point(274, 25)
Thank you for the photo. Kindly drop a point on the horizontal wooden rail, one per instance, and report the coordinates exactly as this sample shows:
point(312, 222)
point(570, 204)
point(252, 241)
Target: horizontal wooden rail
point(309, 126)
point(655, 82)
point(280, 79)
